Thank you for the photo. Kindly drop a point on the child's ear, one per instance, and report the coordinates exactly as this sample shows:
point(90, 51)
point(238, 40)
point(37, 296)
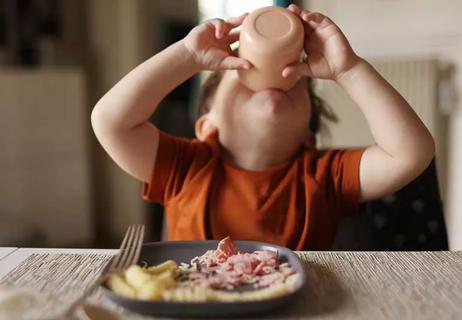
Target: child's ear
point(204, 127)
point(310, 141)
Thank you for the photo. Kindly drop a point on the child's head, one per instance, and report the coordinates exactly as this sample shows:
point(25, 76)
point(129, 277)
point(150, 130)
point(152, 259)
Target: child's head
point(264, 122)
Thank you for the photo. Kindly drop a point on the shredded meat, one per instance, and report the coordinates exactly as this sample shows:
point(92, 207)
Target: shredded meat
point(227, 268)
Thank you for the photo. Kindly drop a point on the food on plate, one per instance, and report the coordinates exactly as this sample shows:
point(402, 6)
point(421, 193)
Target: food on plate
point(224, 274)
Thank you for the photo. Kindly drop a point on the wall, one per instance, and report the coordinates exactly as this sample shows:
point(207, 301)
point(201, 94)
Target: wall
point(44, 166)
point(378, 28)
point(114, 49)
point(121, 35)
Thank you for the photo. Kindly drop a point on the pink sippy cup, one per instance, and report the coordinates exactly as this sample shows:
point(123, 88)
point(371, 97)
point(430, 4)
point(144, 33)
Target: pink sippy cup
point(271, 38)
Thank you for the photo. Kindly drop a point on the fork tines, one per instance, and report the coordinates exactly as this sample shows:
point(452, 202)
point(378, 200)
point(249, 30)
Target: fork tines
point(129, 251)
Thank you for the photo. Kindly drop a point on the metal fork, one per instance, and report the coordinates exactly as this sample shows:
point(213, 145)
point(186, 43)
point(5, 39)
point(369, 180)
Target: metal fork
point(129, 251)
point(128, 254)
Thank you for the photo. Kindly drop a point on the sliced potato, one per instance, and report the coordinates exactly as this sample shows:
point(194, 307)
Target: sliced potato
point(117, 284)
point(150, 290)
point(164, 266)
point(166, 278)
point(136, 276)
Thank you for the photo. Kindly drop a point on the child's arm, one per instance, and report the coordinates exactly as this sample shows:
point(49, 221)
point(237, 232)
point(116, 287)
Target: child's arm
point(121, 118)
point(404, 146)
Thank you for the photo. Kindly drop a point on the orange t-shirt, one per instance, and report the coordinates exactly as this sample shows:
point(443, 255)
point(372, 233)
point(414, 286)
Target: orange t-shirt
point(296, 204)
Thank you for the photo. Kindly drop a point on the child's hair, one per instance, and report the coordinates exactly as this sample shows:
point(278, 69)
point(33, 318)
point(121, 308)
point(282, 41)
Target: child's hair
point(319, 109)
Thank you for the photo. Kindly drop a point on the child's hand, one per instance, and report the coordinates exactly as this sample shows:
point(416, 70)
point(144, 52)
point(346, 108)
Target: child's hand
point(329, 55)
point(209, 44)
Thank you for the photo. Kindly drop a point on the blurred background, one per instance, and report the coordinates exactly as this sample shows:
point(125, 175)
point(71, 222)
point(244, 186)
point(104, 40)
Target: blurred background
point(58, 188)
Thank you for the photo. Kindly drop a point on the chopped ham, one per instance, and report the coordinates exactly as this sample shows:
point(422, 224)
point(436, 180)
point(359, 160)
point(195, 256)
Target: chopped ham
point(226, 248)
point(227, 268)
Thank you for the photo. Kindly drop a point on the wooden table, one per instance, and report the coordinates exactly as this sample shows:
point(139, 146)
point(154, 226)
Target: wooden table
point(341, 285)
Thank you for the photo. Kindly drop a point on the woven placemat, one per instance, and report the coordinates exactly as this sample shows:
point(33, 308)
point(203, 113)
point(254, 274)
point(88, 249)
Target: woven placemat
point(60, 279)
point(341, 285)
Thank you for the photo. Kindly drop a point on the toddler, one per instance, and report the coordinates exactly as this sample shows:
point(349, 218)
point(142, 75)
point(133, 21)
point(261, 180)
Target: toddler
point(253, 172)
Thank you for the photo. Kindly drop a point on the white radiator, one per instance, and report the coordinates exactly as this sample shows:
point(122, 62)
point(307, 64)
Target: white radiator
point(417, 81)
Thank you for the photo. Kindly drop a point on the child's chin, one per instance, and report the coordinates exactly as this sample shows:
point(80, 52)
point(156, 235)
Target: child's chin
point(269, 105)
point(275, 94)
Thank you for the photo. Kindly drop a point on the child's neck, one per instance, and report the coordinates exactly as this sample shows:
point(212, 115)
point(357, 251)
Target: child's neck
point(256, 160)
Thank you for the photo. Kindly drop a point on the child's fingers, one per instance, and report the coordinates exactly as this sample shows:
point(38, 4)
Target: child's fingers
point(236, 21)
point(233, 37)
point(217, 26)
point(297, 69)
point(300, 12)
point(295, 9)
point(231, 62)
point(308, 28)
point(315, 19)
point(220, 28)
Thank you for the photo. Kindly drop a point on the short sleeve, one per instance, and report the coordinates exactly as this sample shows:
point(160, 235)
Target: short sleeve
point(340, 169)
point(175, 162)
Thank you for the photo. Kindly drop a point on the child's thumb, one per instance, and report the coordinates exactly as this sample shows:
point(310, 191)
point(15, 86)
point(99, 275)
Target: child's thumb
point(231, 62)
point(298, 69)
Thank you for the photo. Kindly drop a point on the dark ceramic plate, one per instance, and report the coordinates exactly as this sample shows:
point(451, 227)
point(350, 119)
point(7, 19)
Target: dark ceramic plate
point(184, 251)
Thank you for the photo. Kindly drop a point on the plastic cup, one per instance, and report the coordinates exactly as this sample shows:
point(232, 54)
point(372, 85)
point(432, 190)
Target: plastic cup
point(271, 38)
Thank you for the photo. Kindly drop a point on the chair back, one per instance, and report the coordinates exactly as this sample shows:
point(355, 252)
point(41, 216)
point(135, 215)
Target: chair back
point(411, 219)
